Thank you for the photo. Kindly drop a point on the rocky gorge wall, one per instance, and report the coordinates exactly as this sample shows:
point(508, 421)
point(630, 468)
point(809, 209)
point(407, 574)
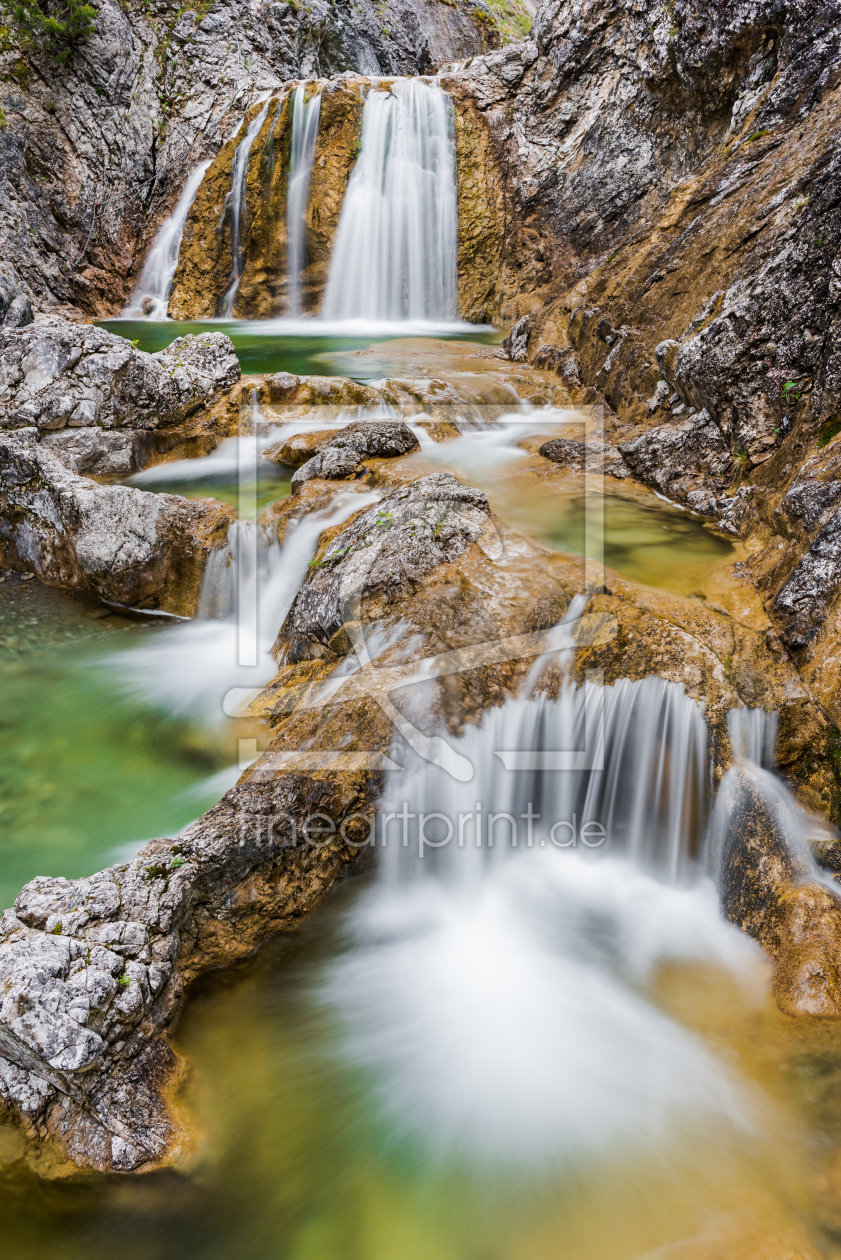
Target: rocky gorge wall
point(669, 237)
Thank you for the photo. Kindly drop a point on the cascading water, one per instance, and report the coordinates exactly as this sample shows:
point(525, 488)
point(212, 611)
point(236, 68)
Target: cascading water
point(494, 989)
point(395, 250)
point(750, 788)
point(151, 296)
point(235, 203)
point(305, 116)
point(190, 668)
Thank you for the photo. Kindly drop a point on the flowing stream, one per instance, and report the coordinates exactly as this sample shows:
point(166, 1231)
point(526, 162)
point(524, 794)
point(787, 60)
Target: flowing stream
point(529, 1031)
point(235, 205)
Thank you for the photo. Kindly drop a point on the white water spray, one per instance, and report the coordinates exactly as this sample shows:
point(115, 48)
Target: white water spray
point(395, 250)
point(305, 116)
point(495, 984)
point(150, 298)
point(235, 202)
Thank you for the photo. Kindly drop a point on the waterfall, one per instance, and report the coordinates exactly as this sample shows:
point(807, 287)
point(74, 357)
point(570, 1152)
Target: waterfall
point(496, 989)
point(189, 669)
point(305, 115)
point(235, 202)
point(753, 805)
point(395, 250)
point(151, 295)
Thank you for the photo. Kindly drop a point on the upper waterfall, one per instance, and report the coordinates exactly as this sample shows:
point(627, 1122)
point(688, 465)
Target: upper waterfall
point(151, 295)
point(395, 250)
point(305, 116)
point(235, 202)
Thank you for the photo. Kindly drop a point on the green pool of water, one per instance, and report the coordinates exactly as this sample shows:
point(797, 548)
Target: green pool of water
point(85, 773)
point(273, 482)
point(267, 348)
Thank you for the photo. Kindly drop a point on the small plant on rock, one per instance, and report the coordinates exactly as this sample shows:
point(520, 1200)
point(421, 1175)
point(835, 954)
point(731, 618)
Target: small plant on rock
point(51, 26)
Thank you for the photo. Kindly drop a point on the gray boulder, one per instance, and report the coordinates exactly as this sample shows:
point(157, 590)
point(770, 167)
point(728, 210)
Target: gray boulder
point(125, 545)
point(63, 375)
point(366, 439)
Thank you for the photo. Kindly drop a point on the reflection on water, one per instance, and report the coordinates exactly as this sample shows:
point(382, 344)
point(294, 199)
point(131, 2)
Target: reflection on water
point(305, 347)
point(645, 538)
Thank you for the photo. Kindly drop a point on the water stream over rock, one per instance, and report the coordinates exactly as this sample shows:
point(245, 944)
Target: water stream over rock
point(151, 296)
point(305, 115)
point(395, 250)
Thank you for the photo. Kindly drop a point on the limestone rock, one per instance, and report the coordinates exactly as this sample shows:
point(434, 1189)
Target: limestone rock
point(596, 458)
point(60, 375)
point(79, 222)
point(343, 454)
point(384, 551)
point(127, 546)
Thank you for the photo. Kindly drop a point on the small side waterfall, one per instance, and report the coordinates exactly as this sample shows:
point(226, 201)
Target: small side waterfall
point(305, 116)
point(395, 250)
point(235, 203)
point(247, 590)
point(754, 808)
point(150, 298)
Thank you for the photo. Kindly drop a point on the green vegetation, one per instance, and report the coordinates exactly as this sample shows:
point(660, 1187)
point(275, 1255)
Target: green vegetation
point(757, 135)
point(3, 120)
point(510, 17)
point(52, 26)
point(828, 430)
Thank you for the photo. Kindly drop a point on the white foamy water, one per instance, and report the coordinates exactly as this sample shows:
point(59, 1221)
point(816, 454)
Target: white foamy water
point(495, 994)
point(230, 458)
point(482, 452)
point(305, 116)
point(752, 738)
point(235, 203)
point(189, 669)
point(395, 250)
point(150, 298)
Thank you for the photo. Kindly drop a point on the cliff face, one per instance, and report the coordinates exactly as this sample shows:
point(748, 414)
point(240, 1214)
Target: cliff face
point(671, 235)
point(94, 154)
point(205, 260)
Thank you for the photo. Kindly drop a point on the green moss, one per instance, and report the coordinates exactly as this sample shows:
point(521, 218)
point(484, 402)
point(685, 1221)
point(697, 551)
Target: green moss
point(828, 430)
point(757, 135)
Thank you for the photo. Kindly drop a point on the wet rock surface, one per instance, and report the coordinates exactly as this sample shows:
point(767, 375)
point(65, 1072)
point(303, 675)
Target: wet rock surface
point(423, 594)
point(342, 455)
point(668, 237)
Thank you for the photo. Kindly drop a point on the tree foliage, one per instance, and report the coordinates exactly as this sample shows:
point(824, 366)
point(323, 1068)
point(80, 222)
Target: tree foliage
point(51, 26)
